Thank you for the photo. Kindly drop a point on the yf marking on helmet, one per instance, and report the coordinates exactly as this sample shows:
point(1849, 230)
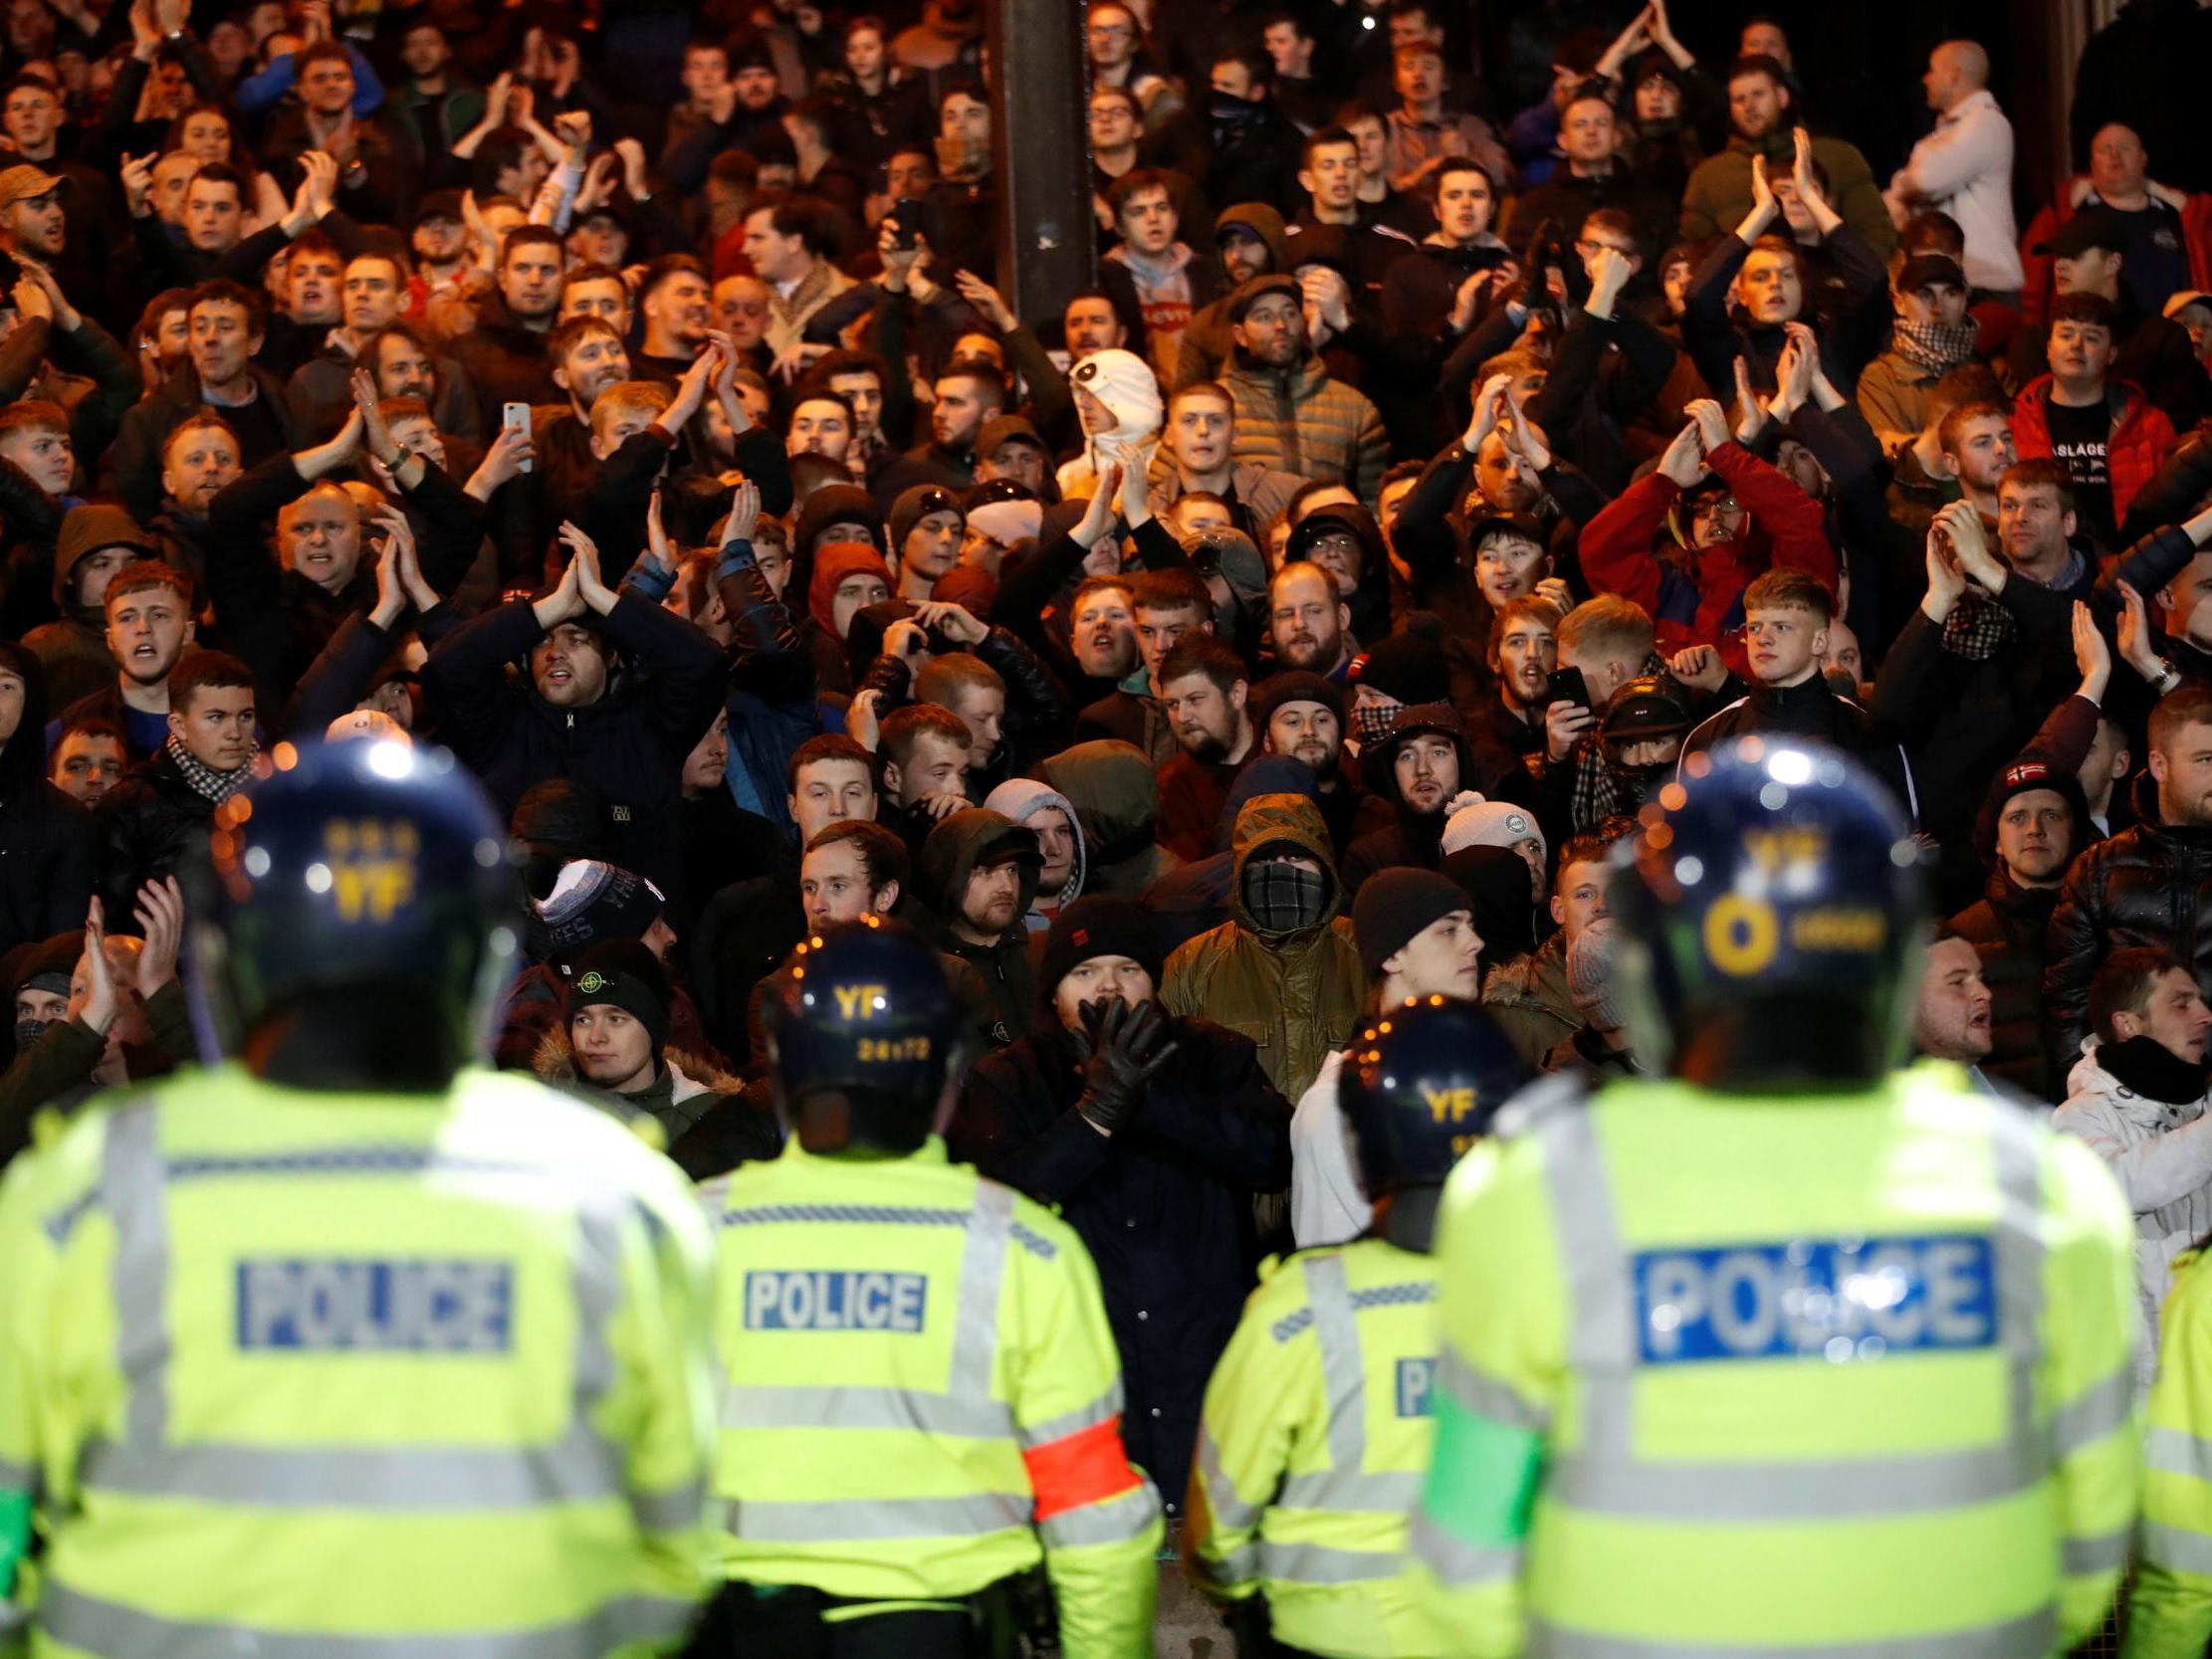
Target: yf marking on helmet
point(1450, 1105)
point(858, 1003)
point(1798, 846)
point(369, 867)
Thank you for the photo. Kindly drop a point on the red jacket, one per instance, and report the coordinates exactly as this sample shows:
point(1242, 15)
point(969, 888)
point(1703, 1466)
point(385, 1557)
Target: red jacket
point(2035, 294)
point(1782, 526)
point(2142, 435)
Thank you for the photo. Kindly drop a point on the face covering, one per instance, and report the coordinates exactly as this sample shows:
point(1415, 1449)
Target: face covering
point(26, 1034)
point(1285, 897)
point(1371, 722)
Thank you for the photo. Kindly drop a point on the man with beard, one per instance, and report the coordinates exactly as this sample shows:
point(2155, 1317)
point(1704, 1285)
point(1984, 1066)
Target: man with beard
point(1308, 622)
point(2139, 887)
point(1043, 810)
point(1250, 240)
point(1301, 716)
point(1291, 414)
point(1523, 652)
point(1423, 768)
point(1203, 691)
point(2032, 823)
point(1721, 190)
point(965, 396)
point(978, 871)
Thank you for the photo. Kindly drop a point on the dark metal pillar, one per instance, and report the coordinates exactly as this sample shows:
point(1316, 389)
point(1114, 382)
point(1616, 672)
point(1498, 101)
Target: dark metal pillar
point(1040, 156)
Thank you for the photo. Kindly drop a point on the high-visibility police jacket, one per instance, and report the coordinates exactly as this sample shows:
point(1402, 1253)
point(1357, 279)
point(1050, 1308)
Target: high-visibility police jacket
point(918, 1386)
point(303, 1373)
point(1315, 1439)
point(1730, 1375)
point(2169, 1610)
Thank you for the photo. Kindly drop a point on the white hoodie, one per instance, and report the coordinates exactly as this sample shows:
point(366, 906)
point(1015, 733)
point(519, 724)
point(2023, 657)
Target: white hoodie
point(2162, 1157)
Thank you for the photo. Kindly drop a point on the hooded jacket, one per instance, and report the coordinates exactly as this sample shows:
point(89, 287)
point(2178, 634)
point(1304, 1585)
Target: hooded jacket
point(74, 650)
point(1125, 383)
point(948, 858)
point(2161, 1156)
point(1191, 900)
point(1021, 798)
point(1116, 794)
point(1206, 343)
point(1294, 994)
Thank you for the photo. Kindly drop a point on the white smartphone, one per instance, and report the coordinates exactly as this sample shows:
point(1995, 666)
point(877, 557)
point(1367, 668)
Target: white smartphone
point(517, 415)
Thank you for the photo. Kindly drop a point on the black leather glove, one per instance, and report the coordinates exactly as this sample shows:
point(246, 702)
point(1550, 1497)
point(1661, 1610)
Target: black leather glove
point(1122, 1049)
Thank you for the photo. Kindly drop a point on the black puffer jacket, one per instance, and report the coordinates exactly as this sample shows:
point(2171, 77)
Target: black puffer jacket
point(2010, 928)
point(1165, 1204)
point(2150, 885)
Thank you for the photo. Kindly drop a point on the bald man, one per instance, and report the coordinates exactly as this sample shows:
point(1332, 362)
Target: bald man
point(1964, 168)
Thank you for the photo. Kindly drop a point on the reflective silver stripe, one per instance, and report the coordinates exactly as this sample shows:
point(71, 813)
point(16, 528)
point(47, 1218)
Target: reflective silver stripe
point(1601, 1296)
point(114, 1631)
point(1393, 1491)
point(839, 1521)
point(2173, 1451)
point(1811, 1489)
point(1486, 1397)
point(983, 1268)
point(1336, 1329)
point(2017, 1168)
point(1457, 1564)
point(579, 1467)
point(1103, 1410)
point(1114, 1520)
point(2103, 1408)
point(1229, 1511)
point(2032, 1634)
point(769, 1405)
point(17, 1477)
point(2104, 1553)
point(132, 1188)
point(671, 1511)
point(1239, 1567)
point(1317, 1564)
point(2182, 1549)
point(596, 1280)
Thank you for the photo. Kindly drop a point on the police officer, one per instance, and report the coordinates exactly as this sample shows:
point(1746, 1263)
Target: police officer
point(1317, 1428)
point(1787, 1350)
point(352, 1346)
point(922, 1396)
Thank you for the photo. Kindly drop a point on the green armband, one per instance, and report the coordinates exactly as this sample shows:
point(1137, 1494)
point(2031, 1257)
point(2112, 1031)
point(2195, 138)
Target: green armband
point(1482, 1476)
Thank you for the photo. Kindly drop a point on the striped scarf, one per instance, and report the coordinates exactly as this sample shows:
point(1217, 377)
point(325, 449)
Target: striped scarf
point(205, 779)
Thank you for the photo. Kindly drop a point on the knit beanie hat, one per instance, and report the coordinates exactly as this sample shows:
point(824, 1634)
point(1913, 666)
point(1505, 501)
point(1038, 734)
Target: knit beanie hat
point(1396, 904)
point(622, 973)
point(1501, 890)
point(837, 561)
point(2023, 776)
point(1103, 925)
point(833, 503)
point(1295, 685)
point(1590, 979)
point(1408, 665)
point(1495, 824)
point(914, 504)
point(591, 902)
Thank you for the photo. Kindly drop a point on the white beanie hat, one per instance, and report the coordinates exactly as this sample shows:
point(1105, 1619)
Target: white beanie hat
point(1008, 522)
point(1494, 824)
